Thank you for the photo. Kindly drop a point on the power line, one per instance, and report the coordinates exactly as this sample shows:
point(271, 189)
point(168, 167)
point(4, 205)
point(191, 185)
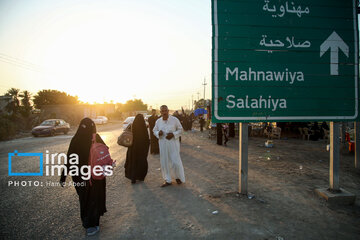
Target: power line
point(19, 60)
point(19, 63)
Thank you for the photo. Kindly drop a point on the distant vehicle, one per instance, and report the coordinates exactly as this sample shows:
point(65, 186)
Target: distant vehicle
point(147, 120)
point(51, 127)
point(100, 120)
point(128, 121)
point(147, 117)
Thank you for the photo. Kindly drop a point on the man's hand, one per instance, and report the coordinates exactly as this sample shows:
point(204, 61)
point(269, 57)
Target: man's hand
point(161, 133)
point(169, 136)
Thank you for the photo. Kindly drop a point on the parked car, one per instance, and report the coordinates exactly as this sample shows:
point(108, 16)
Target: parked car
point(128, 121)
point(51, 127)
point(147, 117)
point(147, 120)
point(100, 120)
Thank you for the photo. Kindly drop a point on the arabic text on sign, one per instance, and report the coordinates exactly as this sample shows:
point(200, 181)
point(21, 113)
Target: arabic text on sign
point(282, 10)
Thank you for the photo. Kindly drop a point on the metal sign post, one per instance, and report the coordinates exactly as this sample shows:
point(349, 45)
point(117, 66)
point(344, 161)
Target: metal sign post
point(277, 60)
point(334, 156)
point(243, 158)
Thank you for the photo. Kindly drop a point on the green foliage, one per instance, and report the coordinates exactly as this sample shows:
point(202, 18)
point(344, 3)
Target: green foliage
point(7, 128)
point(132, 105)
point(26, 107)
point(201, 103)
point(53, 97)
point(14, 103)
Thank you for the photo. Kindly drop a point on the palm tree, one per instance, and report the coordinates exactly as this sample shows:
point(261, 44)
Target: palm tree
point(25, 102)
point(13, 103)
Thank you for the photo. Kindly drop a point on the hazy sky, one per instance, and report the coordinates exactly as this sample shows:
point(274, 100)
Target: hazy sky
point(102, 50)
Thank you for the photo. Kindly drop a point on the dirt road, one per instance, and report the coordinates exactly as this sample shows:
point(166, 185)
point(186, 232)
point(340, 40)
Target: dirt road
point(207, 206)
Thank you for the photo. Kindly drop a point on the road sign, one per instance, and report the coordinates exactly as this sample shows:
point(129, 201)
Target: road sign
point(276, 60)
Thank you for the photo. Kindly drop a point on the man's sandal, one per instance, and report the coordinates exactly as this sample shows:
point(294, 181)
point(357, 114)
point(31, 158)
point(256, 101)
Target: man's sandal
point(165, 184)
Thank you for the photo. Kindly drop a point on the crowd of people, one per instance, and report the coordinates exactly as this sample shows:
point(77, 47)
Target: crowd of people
point(164, 139)
point(185, 119)
point(165, 132)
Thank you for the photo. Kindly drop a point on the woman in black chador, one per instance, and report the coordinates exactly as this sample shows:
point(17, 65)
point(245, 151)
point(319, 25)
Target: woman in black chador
point(136, 165)
point(154, 142)
point(92, 197)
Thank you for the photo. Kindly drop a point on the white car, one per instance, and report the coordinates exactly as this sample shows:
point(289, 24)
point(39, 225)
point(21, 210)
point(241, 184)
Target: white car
point(128, 121)
point(100, 120)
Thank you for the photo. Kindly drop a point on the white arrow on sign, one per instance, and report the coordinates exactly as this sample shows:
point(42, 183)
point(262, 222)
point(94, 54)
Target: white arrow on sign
point(334, 43)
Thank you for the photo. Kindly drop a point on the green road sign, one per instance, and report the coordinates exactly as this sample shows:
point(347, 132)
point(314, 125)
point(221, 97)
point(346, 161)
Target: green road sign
point(276, 60)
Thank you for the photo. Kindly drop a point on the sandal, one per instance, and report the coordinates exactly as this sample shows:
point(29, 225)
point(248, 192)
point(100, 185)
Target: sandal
point(165, 184)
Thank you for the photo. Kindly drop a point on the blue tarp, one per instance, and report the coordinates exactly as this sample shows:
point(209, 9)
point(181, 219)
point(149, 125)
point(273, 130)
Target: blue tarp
point(200, 111)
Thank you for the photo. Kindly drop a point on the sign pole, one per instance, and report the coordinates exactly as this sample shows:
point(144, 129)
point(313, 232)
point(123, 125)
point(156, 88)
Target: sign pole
point(357, 144)
point(243, 158)
point(335, 194)
point(334, 156)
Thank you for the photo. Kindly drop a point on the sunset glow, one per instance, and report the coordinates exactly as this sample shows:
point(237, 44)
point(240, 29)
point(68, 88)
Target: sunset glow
point(107, 50)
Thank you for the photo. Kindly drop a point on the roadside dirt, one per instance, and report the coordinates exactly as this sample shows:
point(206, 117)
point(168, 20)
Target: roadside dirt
point(281, 179)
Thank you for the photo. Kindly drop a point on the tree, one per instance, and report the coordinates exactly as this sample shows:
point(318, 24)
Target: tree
point(13, 103)
point(132, 105)
point(199, 104)
point(53, 97)
point(26, 106)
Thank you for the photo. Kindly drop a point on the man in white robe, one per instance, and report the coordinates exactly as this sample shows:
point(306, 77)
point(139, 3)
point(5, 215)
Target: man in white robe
point(168, 129)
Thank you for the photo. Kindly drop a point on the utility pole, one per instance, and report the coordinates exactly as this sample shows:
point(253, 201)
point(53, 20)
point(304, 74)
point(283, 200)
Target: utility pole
point(198, 96)
point(204, 84)
point(192, 102)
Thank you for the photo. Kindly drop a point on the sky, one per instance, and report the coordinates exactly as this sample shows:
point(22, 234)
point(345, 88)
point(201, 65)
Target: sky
point(103, 50)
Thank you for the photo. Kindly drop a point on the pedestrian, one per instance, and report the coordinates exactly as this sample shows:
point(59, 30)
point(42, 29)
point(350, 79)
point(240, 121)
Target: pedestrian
point(232, 130)
point(154, 142)
point(219, 133)
point(226, 133)
point(324, 127)
point(136, 165)
point(202, 123)
point(168, 130)
point(91, 196)
point(315, 132)
point(179, 117)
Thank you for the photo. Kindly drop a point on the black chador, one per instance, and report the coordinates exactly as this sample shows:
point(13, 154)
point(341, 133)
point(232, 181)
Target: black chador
point(91, 197)
point(219, 133)
point(136, 165)
point(154, 142)
point(231, 129)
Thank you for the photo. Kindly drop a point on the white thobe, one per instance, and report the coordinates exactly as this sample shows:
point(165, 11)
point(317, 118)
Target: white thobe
point(170, 149)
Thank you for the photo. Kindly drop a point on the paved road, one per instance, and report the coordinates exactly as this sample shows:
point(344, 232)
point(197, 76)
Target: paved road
point(283, 180)
point(29, 211)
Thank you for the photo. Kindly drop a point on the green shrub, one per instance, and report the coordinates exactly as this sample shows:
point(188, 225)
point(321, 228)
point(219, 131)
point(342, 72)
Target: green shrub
point(7, 128)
